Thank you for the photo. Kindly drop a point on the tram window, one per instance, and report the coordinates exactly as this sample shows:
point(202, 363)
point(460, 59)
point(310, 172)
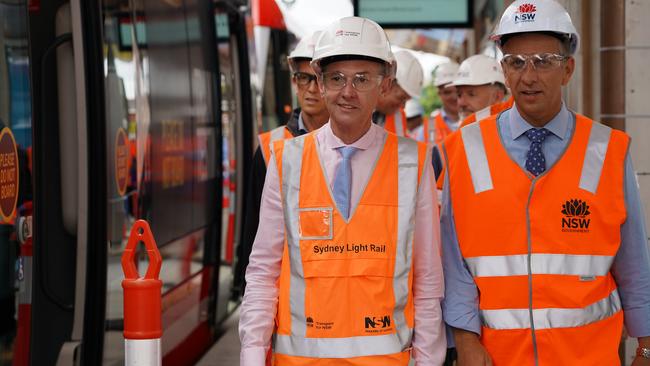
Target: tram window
point(126, 31)
point(269, 117)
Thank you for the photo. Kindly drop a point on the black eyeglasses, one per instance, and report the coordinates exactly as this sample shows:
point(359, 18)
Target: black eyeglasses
point(303, 78)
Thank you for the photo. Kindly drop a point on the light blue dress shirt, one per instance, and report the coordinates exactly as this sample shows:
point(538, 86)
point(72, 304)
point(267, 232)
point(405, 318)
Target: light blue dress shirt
point(631, 267)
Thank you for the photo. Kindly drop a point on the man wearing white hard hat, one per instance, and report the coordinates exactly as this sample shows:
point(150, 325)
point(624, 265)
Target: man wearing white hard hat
point(446, 118)
point(310, 115)
point(406, 85)
point(345, 268)
point(479, 83)
point(414, 118)
point(546, 254)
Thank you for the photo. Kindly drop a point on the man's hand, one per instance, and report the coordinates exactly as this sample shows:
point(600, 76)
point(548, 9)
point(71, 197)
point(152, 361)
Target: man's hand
point(642, 361)
point(470, 350)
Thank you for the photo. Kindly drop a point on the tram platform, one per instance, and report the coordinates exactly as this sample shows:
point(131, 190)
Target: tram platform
point(225, 352)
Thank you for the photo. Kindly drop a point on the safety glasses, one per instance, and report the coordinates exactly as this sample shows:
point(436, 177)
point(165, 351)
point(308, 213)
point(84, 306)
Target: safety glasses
point(539, 61)
point(361, 82)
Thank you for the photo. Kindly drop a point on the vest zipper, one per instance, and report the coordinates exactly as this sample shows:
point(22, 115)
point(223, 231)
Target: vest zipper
point(530, 272)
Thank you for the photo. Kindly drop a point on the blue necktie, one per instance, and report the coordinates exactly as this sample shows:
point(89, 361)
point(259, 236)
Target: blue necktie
point(535, 161)
point(343, 180)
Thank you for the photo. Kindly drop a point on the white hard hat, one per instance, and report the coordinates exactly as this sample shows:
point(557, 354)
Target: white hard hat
point(479, 70)
point(305, 48)
point(352, 36)
point(409, 73)
point(413, 108)
point(445, 73)
point(537, 16)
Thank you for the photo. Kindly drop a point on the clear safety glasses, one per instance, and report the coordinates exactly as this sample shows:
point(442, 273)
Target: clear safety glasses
point(539, 61)
point(360, 82)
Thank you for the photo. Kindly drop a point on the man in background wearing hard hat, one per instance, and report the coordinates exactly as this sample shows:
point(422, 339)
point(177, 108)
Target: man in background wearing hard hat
point(334, 277)
point(546, 251)
point(446, 118)
point(406, 85)
point(414, 119)
point(484, 94)
point(310, 115)
point(479, 84)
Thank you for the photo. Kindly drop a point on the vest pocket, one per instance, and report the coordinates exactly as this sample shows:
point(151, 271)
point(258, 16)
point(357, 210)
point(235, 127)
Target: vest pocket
point(315, 223)
point(349, 298)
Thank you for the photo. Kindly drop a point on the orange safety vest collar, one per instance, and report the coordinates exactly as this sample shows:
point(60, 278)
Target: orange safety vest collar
point(345, 285)
point(488, 111)
point(269, 137)
point(439, 132)
point(396, 123)
point(540, 249)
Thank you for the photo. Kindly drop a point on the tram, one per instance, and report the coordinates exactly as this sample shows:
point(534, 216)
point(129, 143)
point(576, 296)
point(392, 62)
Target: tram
point(119, 110)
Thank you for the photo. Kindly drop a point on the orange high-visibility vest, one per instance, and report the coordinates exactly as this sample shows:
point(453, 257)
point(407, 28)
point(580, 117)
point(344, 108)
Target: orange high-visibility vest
point(488, 111)
point(267, 138)
point(439, 131)
point(345, 287)
point(541, 249)
point(396, 123)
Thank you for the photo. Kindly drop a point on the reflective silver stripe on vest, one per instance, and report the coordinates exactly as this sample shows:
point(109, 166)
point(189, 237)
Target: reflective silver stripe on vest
point(276, 134)
point(552, 317)
point(297, 344)
point(340, 347)
point(594, 157)
point(556, 264)
point(407, 187)
point(399, 127)
point(484, 113)
point(476, 157)
point(291, 168)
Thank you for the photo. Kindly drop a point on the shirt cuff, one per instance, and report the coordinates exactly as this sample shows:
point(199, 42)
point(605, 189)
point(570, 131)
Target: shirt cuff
point(468, 322)
point(253, 356)
point(637, 322)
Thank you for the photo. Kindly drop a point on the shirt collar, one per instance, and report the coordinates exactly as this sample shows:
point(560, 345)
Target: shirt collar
point(557, 126)
point(333, 142)
point(301, 124)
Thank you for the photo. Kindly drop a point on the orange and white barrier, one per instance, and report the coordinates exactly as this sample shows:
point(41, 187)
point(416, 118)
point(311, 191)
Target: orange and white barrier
point(142, 301)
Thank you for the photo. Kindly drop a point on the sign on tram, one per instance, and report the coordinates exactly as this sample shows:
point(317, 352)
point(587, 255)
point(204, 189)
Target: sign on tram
point(121, 161)
point(416, 13)
point(8, 175)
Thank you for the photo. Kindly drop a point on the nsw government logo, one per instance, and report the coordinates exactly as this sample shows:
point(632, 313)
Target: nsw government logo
point(377, 324)
point(576, 216)
point(525, 13)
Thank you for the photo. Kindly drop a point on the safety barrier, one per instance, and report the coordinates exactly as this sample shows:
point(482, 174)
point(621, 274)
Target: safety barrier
point(142, 301)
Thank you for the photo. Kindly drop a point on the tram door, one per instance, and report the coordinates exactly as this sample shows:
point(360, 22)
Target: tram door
point(15, 183)
point(162, 119)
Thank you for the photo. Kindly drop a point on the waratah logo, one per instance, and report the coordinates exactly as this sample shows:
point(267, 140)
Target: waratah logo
point(576, 212)
point(575, 207)
point(527, 8)
point(525, 13)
